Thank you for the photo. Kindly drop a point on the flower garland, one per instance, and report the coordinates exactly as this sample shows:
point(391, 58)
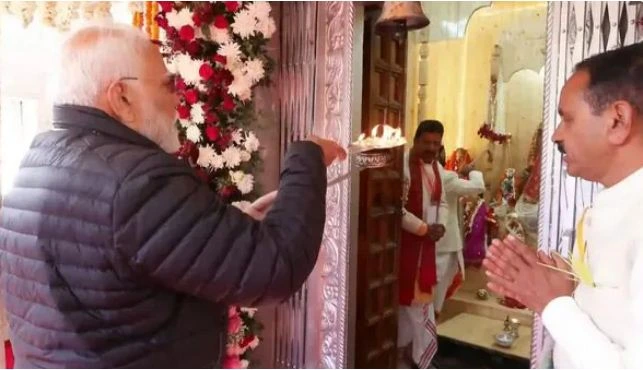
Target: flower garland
point(56, 14)
point(218, 50)
point(136, 8)
point(486, 132)
point(639, 22)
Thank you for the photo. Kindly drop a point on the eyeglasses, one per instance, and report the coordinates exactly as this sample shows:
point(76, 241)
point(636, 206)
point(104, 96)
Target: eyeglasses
point(169, 82)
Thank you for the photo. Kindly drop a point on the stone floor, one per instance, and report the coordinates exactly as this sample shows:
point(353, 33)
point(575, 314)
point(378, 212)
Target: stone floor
point(453, 355)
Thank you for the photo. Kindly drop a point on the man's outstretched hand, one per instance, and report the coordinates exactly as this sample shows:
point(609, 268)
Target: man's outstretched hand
point(519, 272)
point(331, 149)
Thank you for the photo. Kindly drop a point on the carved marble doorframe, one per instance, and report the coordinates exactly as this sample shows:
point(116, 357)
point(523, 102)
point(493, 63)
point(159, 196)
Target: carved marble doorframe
point(328, 293)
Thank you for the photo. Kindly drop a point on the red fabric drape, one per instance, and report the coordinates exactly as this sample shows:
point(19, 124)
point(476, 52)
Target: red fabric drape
point(414, 246)
point(8, 352)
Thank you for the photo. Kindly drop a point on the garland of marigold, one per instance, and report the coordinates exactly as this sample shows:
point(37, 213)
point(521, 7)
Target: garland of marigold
point(148, 17)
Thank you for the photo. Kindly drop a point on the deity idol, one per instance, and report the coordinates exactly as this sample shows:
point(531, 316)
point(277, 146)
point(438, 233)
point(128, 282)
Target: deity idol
point(458, 160)
point(480, 223)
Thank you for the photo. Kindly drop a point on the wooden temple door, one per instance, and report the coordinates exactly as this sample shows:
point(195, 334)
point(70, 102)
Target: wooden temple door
point(380, 203)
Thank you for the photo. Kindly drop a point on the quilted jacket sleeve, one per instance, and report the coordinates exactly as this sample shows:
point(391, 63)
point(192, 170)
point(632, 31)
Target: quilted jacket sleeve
point(174, 230)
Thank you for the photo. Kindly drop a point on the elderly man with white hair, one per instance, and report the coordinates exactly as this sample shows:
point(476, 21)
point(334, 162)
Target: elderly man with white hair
point(113, 253)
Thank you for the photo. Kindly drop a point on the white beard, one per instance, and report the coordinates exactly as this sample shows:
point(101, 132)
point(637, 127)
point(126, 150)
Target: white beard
point(160, 130)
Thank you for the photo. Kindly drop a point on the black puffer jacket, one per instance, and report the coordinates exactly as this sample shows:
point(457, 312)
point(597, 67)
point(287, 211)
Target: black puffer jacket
point(115, 255)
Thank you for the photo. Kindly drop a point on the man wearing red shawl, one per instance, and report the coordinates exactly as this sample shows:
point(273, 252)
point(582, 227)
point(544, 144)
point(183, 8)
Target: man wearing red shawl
point(424, 216)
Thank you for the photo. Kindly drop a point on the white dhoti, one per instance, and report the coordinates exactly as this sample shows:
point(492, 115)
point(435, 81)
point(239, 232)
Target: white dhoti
point(447, 265)
point(416, 324)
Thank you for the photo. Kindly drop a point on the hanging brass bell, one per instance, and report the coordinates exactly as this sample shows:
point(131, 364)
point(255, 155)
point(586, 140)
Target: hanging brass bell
point(400, 17)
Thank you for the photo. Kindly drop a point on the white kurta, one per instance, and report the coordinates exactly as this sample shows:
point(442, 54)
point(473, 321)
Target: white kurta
point(431, 213)
point(455, 187)
point(416, 323)
point(449, 257)
point(602, 326)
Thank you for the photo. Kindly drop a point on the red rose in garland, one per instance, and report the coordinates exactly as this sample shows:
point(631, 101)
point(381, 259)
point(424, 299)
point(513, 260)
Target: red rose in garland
point(186, 33)
point(211, 117)
point(486, 132)
point(188, 150)
point(221, 22)
point(219, 51)
point(219, 59)
point(232, 6)
point(228, 191)
point(183, 111)
point(212, 133)
point(180, 84)
point(228, 104)
point(193, 48)
point(206, 71)
point(166, 6)
point(191, 96)
point(162, 22)
point(196, 18)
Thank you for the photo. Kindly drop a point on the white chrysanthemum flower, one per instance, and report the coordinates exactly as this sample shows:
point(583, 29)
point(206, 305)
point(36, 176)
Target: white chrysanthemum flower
point(205, 156)
point(244, 24)
point(249, 311)
point(220, 36)
point(184, 123)
point(232, 157)
point(267, 27)
point(245, 156)
point(217, 161)
point(237, 136)
point(240, 86)
point(230, 50)
point(234, 66)
point(254, 70)
point(65, 12)
point(246, 184)
point(236, 176)
point(193, 133)
point(188, 68)
point(197, 114)
point(259, 9)
point(244, 364)
point(179, 19)
point(243, 181)
point(252, 143)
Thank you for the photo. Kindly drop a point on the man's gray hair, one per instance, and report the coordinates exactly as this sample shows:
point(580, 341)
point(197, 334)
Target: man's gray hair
point(93, 57)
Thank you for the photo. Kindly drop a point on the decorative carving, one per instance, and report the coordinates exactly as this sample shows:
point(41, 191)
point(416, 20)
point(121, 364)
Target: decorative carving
point(589, 27)
point(548, 156)
point(605, 26)
point(338, 33)
point(623, 25)
point(571, 29)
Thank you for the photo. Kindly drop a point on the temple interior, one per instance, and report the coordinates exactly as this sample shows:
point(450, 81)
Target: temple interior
point(478, 67)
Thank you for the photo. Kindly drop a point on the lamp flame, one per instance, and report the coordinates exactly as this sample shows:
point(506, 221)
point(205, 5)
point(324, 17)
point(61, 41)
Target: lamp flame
point(390, 137)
